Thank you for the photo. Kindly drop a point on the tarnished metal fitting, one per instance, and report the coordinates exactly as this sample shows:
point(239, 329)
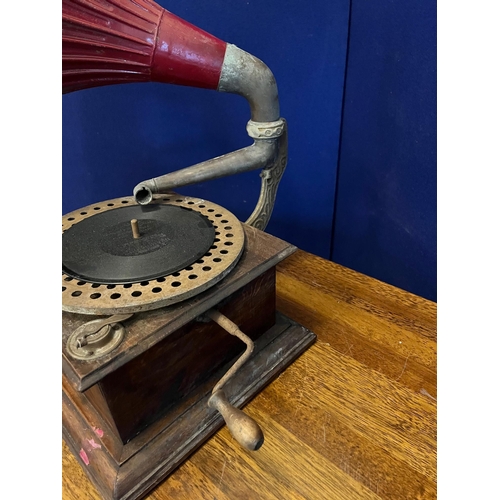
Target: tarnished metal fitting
point(265, 130)
point(97, 338)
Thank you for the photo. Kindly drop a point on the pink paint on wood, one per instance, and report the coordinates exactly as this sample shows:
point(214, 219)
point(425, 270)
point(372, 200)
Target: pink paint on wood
point(84, 457)
point(93, 443)
point(98, 431)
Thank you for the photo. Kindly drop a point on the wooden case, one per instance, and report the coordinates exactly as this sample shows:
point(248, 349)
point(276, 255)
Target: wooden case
point(132, 416)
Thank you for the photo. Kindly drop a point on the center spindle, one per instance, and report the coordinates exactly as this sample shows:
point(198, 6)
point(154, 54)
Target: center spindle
point(135, 229)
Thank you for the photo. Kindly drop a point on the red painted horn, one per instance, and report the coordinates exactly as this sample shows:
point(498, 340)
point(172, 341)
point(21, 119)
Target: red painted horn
point(106, 42)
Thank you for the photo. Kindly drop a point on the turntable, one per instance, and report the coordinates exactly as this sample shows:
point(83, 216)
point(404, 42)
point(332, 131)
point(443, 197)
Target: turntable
point(169, 323)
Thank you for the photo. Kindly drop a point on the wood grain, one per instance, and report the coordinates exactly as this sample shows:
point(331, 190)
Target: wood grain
point(146, 387)
point(353, 417)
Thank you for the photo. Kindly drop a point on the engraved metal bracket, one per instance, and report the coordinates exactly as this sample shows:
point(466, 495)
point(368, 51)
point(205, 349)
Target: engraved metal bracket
point(271, 176)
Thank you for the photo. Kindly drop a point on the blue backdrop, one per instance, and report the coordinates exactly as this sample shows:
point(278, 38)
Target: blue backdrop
point(385, 217)
point(380, 219)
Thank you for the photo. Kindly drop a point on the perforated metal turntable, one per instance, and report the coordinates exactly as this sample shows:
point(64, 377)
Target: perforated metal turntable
point(185, 245)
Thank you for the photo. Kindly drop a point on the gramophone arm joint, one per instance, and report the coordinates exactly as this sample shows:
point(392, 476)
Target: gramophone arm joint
point(249, 77)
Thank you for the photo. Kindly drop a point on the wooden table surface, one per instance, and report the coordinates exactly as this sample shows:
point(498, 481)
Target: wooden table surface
point(353, 417)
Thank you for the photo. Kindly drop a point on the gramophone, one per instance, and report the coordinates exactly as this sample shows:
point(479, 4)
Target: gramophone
point(169, 321)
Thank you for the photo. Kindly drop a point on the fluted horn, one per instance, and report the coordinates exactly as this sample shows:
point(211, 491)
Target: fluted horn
point(107, 42)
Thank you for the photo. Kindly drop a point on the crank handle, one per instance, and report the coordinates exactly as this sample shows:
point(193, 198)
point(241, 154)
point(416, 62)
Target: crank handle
point(243, 428)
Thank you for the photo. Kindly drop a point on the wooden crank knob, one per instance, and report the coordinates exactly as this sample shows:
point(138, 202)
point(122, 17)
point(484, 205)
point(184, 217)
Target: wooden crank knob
point(243, 428)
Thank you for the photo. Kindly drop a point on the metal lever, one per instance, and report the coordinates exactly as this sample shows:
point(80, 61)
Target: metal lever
point(93, 327)
point(243, 428)
point(96, 338)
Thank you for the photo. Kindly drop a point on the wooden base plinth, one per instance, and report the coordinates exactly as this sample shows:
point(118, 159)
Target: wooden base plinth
point(131, 470)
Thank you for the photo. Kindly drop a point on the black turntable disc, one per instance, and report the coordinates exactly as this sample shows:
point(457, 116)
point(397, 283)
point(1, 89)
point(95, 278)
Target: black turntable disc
point(102, 248)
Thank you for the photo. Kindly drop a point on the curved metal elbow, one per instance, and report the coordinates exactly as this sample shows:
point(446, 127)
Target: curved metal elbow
point(249, 77)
